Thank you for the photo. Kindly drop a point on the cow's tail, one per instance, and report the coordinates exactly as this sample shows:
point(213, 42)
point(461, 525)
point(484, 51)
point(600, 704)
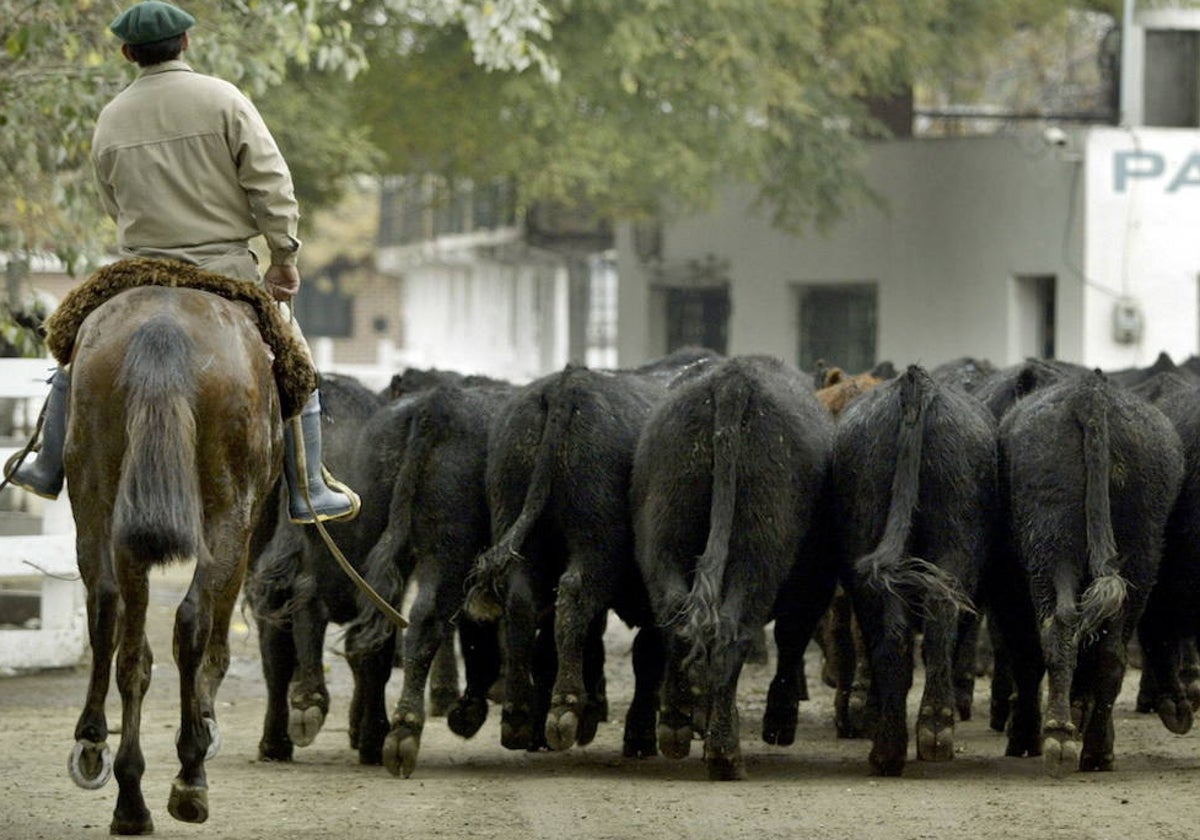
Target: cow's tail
point(487, 590)
point(157, 513)
point(700, 617)
point(388, 560)
point(890, 568)
point(1104, 597)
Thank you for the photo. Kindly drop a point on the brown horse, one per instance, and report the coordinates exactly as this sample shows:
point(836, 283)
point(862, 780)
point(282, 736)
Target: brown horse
point(174, 447)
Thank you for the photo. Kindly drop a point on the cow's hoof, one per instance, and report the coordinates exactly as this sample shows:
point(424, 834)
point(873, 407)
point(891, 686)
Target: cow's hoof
point(1060, 751)
point(304, 724)
point(400, 749)
point(886, 762)
point(640, 741)
point(188, 803)
point(562, 724)
point(725, 768)
point(935, 735)
point(1175, 716)
point(441, 701)
point(1096, 763)
point(779, 725)
point(675, 738)
point(516, 730)
point(467, 716)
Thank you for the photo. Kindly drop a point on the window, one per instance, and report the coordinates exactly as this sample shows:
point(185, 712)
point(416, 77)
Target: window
point(698, 317)
point(1032, 321)
point(838, 326)
point(322, 308)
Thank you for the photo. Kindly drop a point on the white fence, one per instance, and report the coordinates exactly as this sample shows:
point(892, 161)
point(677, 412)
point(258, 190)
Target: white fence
point(48, 558)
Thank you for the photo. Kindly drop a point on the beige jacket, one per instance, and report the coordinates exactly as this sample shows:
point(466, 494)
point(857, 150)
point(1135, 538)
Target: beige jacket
point(187, 169)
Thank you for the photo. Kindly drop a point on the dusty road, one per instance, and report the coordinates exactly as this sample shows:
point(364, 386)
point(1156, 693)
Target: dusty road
point(818, 788)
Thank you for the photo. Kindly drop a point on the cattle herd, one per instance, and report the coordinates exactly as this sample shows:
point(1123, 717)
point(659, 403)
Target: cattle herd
point(701, 498)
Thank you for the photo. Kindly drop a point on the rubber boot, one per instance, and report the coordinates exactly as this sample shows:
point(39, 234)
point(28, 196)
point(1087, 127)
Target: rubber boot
point(331, 500)
point(44, 474)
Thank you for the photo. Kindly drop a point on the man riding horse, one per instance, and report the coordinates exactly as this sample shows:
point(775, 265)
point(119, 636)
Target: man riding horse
point(189, 172)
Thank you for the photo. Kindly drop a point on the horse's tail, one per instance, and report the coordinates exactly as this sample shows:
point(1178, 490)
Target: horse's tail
point(702, 621)
point(1105, 595)
point(157, 514)
point(487, 580)
point(890, 568)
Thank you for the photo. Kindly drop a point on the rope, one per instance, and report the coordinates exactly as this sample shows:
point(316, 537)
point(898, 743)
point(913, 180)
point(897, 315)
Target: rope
point(359, 581)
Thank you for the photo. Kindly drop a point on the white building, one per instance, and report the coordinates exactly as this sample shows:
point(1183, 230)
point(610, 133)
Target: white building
point(1077, 243)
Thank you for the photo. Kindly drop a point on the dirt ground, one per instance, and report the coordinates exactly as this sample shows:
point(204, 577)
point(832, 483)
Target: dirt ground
point(817, 788)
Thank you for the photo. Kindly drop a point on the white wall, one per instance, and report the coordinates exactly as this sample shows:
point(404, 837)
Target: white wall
point(1143, 241)
point(499, 317)
point(963, 218)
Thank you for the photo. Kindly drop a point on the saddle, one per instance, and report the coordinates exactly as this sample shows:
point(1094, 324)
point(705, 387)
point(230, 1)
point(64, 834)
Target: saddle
point(294, 374)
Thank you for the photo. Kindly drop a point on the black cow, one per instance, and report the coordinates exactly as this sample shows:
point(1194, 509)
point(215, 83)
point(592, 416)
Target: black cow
point(913, 493)
point(1089, 473)
point(560, 455)
point(727, 480)
point(1170, 683)
point(295, 587)
point(437, 523)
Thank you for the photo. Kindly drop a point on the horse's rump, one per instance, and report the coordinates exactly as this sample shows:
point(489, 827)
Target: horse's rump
point(174, 420)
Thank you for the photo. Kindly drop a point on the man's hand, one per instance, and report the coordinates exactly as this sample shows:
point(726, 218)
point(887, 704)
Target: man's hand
point(283, 281)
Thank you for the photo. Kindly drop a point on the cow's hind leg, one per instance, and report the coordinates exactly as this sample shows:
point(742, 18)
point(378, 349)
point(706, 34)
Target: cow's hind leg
point(722, 745)
point(639, 740)
point(888, 637)
point(308, 696)
point(581, 604)
point(935, 718)
point(675, 718)
point(1060, 744)
point(426, 634)
point(481, 655)
point(277, 651)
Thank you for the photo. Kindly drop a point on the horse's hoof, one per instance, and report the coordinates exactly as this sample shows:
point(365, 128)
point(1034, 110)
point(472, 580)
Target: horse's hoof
point(130, 826)
point(188, 803)
point(304, 724)
point(90, 764)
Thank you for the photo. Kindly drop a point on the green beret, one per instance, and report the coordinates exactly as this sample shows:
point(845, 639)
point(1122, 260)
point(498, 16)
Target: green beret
point(149, 21)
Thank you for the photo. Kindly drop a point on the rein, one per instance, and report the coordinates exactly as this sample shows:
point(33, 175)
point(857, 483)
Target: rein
point(374, 597)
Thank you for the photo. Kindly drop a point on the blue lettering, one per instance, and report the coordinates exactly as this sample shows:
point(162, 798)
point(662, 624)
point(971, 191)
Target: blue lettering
point(1129, 165)
point(1188, 175)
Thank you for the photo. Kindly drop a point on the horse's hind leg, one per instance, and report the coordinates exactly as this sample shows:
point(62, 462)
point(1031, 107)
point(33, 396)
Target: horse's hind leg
point(131, 816)
point(193, 628)
point(90, 764)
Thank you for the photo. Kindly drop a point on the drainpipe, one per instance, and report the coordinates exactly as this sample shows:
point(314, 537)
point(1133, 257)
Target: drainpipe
point(1129, 78)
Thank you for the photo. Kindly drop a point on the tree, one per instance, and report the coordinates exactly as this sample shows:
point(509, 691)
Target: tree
point(660, 102)
point(59, 65)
